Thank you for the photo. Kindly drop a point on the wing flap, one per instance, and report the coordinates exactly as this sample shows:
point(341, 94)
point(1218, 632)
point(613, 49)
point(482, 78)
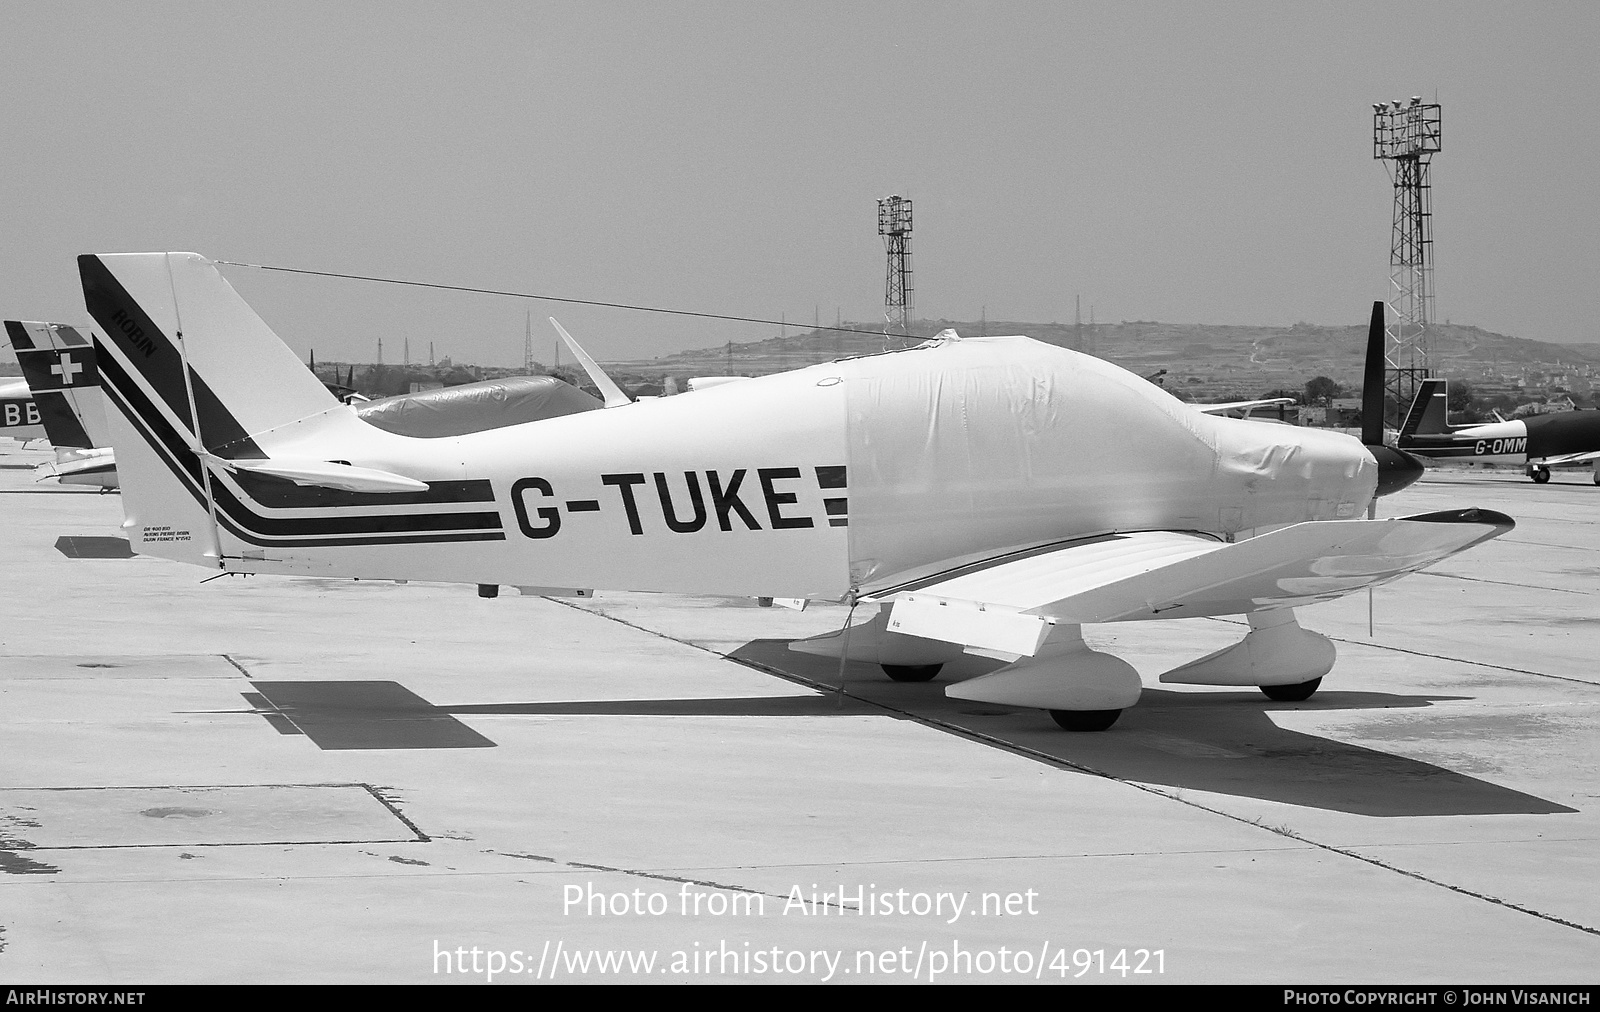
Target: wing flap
point(1165, 574)
point(969, 623)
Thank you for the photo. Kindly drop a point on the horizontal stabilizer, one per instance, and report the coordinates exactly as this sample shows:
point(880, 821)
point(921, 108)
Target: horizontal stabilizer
point(330, 474)
point(1003, 603)
point(96, 467)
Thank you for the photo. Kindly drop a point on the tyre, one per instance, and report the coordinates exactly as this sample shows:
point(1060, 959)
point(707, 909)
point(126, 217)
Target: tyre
point(1085, 720)
point(911, 672)
point(1291, 693)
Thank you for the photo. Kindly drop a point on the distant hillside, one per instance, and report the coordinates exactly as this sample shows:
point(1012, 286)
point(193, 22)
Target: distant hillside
point(1200, 361)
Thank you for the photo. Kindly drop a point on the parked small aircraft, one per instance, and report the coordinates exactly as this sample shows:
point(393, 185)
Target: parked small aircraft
point(1538, 442)
point(58, 363)
point(990, 494)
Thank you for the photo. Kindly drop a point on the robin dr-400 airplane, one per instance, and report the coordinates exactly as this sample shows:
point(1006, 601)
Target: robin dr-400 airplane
point(991, 495)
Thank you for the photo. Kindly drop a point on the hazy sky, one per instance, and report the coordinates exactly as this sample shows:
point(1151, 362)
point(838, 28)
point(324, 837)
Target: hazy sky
point(1187, 162)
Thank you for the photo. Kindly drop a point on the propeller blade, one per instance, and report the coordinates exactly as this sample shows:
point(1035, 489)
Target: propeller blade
point(1372, 383)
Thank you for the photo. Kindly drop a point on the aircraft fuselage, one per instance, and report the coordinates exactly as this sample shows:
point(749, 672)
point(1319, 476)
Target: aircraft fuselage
point(859, 474)
point(1520, 441)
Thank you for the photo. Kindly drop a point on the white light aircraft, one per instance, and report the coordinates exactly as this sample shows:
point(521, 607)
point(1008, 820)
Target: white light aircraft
point(992, 495)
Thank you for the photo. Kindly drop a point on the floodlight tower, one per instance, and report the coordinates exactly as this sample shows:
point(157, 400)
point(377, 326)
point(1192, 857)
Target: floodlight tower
point(894, 224)
point(1407, 135)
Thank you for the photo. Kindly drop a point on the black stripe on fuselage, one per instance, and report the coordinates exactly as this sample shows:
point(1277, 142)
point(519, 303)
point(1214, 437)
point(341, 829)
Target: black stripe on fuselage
point(252, 527)
point(282, 493)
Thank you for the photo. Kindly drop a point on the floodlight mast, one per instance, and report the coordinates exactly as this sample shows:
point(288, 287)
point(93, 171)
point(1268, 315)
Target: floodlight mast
point(894, 224)
point(1407, 134)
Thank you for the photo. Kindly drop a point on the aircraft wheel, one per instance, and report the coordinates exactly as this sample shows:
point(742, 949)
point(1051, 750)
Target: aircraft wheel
point(1291, 693)
point(911, 672)
point(1539, 474)
point(1085, 720)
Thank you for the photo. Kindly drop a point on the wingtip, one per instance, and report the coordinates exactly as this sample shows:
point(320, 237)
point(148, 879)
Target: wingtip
point(1470, 515)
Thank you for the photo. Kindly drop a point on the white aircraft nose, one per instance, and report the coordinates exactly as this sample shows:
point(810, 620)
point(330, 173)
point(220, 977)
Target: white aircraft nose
point(1290, 474)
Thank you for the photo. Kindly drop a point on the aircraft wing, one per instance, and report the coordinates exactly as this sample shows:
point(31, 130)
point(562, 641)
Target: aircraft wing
point(1007, 604)
point(1222, 409)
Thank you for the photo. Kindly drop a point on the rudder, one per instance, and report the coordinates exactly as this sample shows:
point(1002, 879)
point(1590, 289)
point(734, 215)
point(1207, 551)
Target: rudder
point(1428, 413)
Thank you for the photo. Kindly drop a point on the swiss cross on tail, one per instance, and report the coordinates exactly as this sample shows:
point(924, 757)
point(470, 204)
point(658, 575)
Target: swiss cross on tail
point(68, 369)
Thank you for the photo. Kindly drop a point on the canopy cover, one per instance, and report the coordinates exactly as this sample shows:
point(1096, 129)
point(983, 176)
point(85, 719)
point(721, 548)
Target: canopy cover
point(475, 407)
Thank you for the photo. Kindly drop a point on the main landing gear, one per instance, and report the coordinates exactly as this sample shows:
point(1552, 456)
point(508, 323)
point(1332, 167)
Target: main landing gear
point(1541, 474)
point(1085, 689)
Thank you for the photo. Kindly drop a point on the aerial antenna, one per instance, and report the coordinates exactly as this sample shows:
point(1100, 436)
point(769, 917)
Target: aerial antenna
point(613, 395)
point(894, 224)
point(1405, 137)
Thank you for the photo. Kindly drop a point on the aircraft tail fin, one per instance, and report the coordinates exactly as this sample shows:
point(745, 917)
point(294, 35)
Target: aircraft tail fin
point(59, 364)
point(179, 334)
point(192, 373)
point(1428, 414)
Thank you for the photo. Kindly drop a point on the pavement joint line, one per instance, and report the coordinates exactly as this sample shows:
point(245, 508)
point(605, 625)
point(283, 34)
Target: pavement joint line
point(1057, 761)
point(1064, 856)
point(424, 838)
point(1546, 544)
point(378, 794)
point(1437, 657)
point(186, 846)
point(1503, 583)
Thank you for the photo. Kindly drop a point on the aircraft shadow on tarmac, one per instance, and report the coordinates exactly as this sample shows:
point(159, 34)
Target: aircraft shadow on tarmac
point(339, 715)
point(1223, 742)
point(90, 546)
point(1220, 742)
